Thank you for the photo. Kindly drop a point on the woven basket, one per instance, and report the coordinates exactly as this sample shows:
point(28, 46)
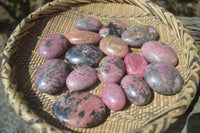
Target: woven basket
point(21, 61)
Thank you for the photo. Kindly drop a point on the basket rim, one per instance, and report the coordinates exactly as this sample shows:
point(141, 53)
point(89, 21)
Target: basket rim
point(160, 124)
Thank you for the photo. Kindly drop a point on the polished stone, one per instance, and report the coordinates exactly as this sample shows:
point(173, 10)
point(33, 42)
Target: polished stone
point(51, 76)
point(163, 78)
point(81, 78)
point(112, 28)
point(79, 109)
point(113, 96)
point(52, 46)
point(111, 69)
point(155, 51)
point(89, 24)
point(83, 37)
point(136, 89)
point(84, 55)
point(135, 64)
point(112, 45)
point(136, 36)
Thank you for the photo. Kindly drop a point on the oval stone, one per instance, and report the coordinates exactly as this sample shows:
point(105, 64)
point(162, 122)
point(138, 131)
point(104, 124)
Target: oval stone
point(84, 55)
point(112, 45)
point(83, 37)
point(79, 109)
point(81, 78)
point(136, 89)
point(112, 28)
point(163, 78)
point(135, 64)
point(52, 46)
point(113, 96)
point(155, 51)
point(138, 35)
point(51, 76)
point(111, 69)
point(89, 24)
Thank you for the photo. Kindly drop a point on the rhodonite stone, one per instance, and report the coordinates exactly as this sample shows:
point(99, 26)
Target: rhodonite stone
point(163, 78)
point(112, 28)
point(112, 45)
point(52, 46)
point(138, 35)
point(135, 64)
point(136, 89)
point(81, 78)
point(51, 76)
point(79, 109)
point(155, 51)
point(113, 96)
point(83, 37)
point(89, 24)
point(111, 69)
point(84, 55)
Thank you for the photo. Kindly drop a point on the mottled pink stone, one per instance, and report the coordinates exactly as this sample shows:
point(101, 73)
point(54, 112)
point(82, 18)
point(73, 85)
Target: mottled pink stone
point(155, 51)
point(51, 76)
point(79, 109)
point(52, 46)
point(89, 24)
point(112, 45)
point(136, 36)
point(135, 64)
point(112, 28)
point(81, 78)
point(83, 37)
point(113, 96)
point(136, 89)
point(84, 55)
point(163, 78)
point(111, 69)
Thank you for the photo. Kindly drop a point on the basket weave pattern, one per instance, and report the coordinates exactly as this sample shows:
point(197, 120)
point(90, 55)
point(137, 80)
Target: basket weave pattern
point(21, 61)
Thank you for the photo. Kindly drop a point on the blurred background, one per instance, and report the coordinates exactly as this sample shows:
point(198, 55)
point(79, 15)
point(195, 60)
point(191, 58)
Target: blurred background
point(13, 11)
